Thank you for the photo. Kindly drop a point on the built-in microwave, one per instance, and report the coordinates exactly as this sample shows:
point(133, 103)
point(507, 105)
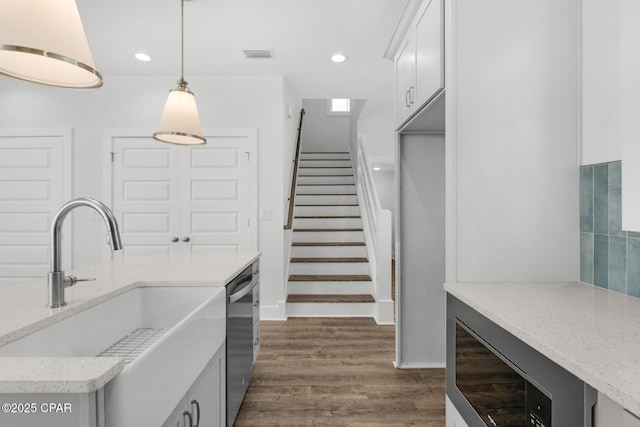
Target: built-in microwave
point(494, 379)
point(497, 389)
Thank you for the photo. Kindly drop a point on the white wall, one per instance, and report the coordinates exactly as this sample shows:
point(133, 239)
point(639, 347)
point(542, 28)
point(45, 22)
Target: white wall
point(421, 245)
point(137, 102)
point(513, 127)
point(322, 132)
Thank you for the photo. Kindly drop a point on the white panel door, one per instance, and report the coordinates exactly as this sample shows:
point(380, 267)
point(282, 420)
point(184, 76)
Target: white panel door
point(34, 184)
point(173, 199)
point(146, 195)
point(216, 197)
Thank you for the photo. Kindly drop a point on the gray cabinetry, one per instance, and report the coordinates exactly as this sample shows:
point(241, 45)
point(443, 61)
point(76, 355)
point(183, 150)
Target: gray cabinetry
point(203, 405)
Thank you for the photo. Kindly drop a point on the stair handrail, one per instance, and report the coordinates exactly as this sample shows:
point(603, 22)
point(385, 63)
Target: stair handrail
point(294, 176)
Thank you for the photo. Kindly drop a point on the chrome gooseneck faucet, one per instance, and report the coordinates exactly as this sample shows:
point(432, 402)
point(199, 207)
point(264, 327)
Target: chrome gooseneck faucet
point(56, 278)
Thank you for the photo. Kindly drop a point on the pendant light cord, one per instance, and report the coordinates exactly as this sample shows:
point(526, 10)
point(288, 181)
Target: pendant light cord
point(182, 83)
point(182, 40)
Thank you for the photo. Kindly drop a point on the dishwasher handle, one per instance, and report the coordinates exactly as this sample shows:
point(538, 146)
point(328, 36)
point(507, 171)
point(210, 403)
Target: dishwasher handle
point(243, 291)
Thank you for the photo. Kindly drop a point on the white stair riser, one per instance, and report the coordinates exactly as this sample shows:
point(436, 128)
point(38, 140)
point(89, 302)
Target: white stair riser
point(328, 251)
point(328, 236)
point(326, 210)
point(304, 309)
point(329, 268)
point(319, 179)
point(327, 223)
point(302, 171)
point(334, 163)
point(326, 189)
point(324, 156)
point(329, 288)
point(338, 199)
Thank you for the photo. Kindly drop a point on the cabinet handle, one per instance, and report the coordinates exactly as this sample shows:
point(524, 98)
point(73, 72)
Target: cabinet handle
point(406, 99)
point(174, 239)
point(195, 403)
point(412, 91)
point(185, 239)
point(187, 416)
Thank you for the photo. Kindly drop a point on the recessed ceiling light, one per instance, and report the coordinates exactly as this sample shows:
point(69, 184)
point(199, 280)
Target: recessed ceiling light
point(338, 57)
point(142, 57)
point(377, 168)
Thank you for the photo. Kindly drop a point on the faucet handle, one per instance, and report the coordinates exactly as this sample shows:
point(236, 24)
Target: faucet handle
point(71, 280)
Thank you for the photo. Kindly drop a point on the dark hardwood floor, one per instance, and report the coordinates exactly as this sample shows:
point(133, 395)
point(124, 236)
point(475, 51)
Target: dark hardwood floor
point(337, 372)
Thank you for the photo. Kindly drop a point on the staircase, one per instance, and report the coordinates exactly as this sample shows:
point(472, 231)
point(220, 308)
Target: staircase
point(329, 273)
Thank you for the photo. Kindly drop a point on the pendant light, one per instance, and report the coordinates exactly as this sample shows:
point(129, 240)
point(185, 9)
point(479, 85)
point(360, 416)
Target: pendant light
point(44, 42)
point(180, 123)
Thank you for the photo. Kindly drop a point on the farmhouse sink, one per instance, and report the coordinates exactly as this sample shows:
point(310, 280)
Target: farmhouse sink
point(176, 330)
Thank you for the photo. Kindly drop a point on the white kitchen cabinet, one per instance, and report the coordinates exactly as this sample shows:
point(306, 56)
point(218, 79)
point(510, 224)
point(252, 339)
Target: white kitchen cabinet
point(420, 60)
point(406, 78)
point(453, 417)
point(610, 84)
point(630, 111)
point(429, 53)
point(204, 404)
point(608, 413)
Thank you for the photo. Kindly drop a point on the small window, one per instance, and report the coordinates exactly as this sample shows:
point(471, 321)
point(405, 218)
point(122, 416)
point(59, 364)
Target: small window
point(339, 106)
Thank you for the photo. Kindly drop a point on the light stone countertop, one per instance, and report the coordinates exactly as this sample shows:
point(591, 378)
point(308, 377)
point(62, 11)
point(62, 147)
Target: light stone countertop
point(592, 332)
point(23, 311)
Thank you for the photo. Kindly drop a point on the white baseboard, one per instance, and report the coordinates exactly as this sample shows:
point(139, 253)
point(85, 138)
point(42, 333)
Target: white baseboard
point(427, 365)
point(274, 312)
point(385, 315)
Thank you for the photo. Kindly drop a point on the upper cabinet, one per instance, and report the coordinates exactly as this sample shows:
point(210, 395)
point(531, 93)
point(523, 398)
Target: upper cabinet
point(630, 112)
point(420, 60)
point(610, 88)
point(429, 52)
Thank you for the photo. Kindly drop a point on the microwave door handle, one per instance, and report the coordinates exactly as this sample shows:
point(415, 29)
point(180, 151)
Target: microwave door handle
point(242, 292)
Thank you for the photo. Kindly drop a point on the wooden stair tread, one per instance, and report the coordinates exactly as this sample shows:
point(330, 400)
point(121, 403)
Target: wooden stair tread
point(323, 160)
point(330, 298)
point(326, 216)
point(325, 176)
point(327, 259)
point(329, 205)
point(328, 230)
point(330, 278)
point(324, 185)
point(326, 194)
point(328, 244)
point(324, 152)
point(324, 167)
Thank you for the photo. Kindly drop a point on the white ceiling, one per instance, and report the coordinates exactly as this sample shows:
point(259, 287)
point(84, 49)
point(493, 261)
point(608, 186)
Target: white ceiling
point(302, 33)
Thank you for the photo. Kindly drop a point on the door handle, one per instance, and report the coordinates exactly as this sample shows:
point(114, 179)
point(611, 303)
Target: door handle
point(187, 417)
point(185, 239)
point(195, 406)
point(174, 239)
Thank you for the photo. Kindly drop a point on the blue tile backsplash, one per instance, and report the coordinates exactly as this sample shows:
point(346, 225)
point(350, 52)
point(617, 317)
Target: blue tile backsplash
point(609, 256)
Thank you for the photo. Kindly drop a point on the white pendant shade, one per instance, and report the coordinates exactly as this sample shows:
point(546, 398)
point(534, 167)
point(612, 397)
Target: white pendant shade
point(44, 42)
point(180, 123)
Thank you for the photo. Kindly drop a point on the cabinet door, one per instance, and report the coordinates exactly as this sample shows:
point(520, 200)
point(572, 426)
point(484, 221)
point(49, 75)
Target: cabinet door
point(429, 53)
point(207, 396)
point(630, 111)
point(406, 78)
point(454, 419)
point(176, 419)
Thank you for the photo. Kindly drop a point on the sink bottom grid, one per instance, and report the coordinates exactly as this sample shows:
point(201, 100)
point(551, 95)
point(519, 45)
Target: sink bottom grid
point(134, 343)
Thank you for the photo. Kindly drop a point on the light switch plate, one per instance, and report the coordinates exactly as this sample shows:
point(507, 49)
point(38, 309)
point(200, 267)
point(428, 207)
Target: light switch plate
point(266, 214)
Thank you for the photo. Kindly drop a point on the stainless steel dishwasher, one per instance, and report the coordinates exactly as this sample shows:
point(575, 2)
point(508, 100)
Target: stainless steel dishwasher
point(240, 337)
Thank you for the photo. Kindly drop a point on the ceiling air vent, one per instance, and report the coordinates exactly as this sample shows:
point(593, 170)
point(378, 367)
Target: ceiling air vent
point(258, 53)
